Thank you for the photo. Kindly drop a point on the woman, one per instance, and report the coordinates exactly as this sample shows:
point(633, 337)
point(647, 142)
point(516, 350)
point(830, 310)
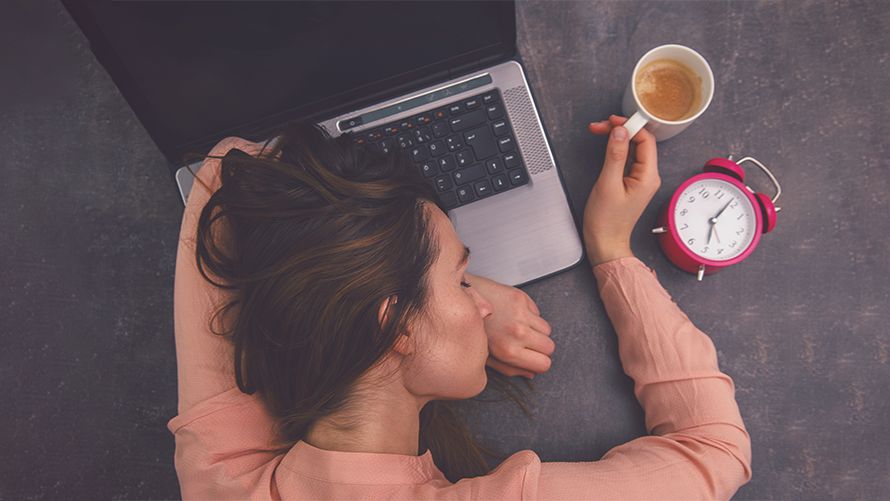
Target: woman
point(324, 317)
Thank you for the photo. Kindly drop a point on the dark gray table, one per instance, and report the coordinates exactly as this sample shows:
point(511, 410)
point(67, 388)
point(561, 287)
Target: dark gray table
point(89, 224)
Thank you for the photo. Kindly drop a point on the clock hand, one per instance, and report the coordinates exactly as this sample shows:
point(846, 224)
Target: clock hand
point(711, 234)
point(714, 227)
point(715, 218)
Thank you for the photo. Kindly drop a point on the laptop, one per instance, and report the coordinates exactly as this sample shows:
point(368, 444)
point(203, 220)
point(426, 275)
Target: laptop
point(440, 81)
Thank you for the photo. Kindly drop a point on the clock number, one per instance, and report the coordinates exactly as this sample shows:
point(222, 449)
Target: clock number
point(706, 194)
point(684, 226)
point(705, 250)
point(683, 212)
point(733, 243)
point(691, 199)
point(740, 216)
point(739, 231)
point(719, 194)
point(733, 204)
point(691, 241)
point(719, 251)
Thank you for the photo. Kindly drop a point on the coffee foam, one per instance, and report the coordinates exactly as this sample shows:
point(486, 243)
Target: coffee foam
point(669, 89)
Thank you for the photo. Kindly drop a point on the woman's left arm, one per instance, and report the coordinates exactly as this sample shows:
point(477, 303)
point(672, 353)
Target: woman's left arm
point(519, 340)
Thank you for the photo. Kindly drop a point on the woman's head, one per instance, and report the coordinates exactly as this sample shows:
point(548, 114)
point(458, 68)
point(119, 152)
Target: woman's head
point(343, 272)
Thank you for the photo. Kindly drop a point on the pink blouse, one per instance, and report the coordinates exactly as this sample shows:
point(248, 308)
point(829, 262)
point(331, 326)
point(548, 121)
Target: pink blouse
point(698, 447)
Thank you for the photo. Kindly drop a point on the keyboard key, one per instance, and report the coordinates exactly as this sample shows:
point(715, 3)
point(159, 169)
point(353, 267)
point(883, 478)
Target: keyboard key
point(443, 183)
point(446, 163)
point(465, 194)
point(494, 111)
point(423, 135)
point(506, 143)
point(375, 135)
point(467, 121)
point(464, 158)
point(437, 148)
point(448, 199)
point(440, 113)
point(471, 104)
point(500, 128)
point(489, 98)
point(482, 141)
point(420, 153)
point(386, 145)
point(454, 143)
point(494, 165)
point(470, 174)
point(483, 188)
point(517, 177)
point(456, 109)
point(511, 160)
point(424, 119)
point(406, 125)
point(404, 140)
point(428, 168)
point(441, 129)
point(500, 182)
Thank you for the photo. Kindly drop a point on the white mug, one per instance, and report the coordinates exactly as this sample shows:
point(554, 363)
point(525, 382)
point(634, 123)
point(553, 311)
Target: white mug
point(639, 117)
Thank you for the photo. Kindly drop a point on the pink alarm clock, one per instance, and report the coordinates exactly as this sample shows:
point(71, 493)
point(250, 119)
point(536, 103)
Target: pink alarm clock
point(714, 219)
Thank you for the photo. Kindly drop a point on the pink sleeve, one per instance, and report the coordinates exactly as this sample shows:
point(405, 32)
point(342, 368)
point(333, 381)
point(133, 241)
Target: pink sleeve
point(698, 447)
point(220, 432)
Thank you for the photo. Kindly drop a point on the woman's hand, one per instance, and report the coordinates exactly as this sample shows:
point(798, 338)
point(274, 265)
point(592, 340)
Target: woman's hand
point(617, 201)
point(519, 342)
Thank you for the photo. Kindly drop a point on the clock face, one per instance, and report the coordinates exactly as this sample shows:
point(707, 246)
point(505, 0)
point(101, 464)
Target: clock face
point(705, 201)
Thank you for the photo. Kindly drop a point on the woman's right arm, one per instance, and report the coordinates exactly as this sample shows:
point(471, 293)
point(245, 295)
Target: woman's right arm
point(698, 447)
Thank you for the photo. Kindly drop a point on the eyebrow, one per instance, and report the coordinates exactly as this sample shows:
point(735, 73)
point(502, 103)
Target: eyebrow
point(464, 259)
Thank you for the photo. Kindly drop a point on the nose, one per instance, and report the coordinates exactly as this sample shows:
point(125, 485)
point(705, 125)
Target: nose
point(485, 307)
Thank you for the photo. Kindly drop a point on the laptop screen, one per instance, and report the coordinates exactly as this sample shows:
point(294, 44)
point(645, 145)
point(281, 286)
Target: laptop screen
point(195, 72)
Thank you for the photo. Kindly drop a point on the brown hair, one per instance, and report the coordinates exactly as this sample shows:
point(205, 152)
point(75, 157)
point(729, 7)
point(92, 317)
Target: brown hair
point(318, 232)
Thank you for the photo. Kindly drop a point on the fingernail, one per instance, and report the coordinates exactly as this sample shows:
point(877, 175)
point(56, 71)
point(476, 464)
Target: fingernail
point(619, 133)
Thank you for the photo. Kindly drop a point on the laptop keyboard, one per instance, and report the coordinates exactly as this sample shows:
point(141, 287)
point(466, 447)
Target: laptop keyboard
point(466, 150)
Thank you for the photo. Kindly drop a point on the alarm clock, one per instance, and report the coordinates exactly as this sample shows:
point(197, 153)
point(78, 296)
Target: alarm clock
point(714, 220)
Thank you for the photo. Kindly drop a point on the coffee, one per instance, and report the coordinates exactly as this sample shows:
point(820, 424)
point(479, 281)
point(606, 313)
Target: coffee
point(668, 89)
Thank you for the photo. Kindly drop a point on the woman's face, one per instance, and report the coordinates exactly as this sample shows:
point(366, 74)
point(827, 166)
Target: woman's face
point(451, 347)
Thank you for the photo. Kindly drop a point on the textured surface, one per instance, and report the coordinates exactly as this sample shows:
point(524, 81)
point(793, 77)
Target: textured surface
point(89, 219)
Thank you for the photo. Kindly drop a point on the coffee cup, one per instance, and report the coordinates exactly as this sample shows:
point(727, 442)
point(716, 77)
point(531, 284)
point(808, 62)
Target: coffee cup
point(670, 87)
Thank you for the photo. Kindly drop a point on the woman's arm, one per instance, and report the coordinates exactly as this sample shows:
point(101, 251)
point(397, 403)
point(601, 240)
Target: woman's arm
point(699, 447)
point(223, 436)
point(204, 361)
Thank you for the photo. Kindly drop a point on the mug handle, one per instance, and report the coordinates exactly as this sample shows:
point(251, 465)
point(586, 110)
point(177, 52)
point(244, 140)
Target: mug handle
point(636, 122)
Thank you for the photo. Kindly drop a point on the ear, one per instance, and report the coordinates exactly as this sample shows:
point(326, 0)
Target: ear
point(403, 344)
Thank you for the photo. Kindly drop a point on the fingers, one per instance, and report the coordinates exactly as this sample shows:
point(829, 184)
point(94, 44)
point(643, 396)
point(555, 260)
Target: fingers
point(532, 306)
point(507, 369)
point(645, 166)
point(616, 156)
point(605, 126)
point(539, 324)
point(541, 344)
point(534, 360)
